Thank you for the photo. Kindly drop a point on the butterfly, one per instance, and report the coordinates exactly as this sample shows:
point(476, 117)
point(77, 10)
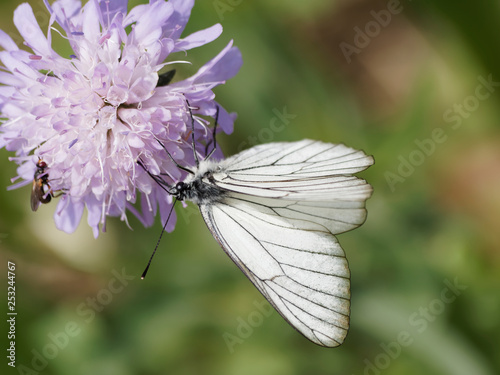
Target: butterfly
point(275, 209)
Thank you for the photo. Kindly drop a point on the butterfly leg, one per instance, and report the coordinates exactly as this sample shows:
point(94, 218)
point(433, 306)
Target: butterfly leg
point(208, 155)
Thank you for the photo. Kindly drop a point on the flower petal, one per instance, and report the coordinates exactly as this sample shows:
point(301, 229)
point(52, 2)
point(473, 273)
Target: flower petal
point(91, 26)
point(66, 12)
point(6, 42)
point(148, 28)
point(110, 8)
point(182, 10)
point(21, 71)
point(199, 38)
point(226, 120)
point(68, 214)
point(94, 214)
point(28, 27)
point(222, 67)
point(10, 80)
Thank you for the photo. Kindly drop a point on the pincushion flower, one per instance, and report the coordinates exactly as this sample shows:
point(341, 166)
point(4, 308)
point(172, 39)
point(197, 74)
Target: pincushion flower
point(90, 116)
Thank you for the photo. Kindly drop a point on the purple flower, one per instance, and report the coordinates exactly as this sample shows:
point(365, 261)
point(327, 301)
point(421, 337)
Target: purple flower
point(91, 115)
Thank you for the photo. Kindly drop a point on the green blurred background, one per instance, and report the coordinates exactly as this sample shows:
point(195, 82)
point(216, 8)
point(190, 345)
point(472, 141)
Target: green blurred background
point(433, 220)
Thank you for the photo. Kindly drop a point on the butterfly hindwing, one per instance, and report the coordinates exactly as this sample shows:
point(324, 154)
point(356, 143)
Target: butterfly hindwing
point(302, 272)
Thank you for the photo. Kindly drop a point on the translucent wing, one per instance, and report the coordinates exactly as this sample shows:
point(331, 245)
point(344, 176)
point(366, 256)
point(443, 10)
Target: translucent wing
point(36, 193)
point(301, 271)
point(312, 181)
point(283, 203)
point(294, 160)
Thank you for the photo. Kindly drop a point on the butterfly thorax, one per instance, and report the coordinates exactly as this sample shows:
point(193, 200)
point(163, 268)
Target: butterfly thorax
point(201, 188)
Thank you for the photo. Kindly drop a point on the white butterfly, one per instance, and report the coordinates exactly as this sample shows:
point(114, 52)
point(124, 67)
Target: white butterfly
point(275, 210)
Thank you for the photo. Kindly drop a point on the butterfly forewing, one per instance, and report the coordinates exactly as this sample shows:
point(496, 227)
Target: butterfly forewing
point(306, 158)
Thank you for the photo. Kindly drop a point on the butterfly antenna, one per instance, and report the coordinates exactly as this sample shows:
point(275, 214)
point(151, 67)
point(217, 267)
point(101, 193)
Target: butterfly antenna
point(173, 160)
point(213, 136)
point(157, 179)
point(158, 242)
point(192, 135)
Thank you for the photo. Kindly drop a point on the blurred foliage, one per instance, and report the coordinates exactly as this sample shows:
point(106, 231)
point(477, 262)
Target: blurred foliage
point(436, 226)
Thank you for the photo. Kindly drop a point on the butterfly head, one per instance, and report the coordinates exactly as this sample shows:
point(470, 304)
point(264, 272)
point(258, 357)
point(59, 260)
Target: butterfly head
point(181, 190)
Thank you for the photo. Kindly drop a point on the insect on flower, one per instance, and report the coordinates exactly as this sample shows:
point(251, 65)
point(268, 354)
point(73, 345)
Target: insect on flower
point(275, 210)
point(40, 183)
point(41, 192)
point(92, 111)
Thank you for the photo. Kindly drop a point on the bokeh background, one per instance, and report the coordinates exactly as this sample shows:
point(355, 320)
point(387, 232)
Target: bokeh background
point(425, 265)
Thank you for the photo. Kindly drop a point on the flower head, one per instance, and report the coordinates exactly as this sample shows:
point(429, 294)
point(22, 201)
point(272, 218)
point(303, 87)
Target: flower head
point(92, 115)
